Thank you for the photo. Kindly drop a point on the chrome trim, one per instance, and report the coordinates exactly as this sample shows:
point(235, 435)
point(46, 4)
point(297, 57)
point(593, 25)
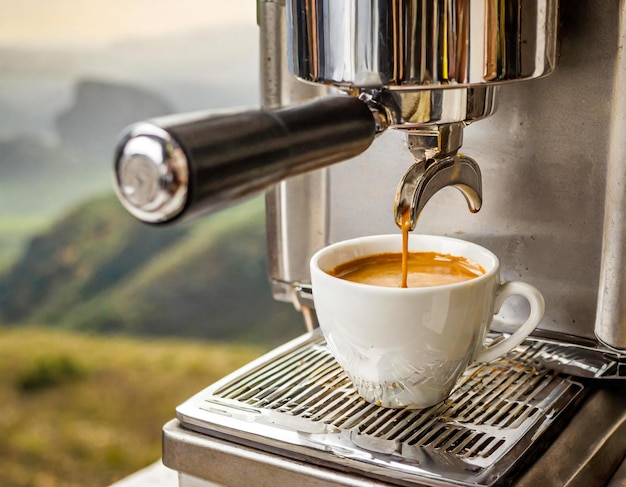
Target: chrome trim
point(403, 45)
point(420, 109)
point(151, 173)
point(610, 324)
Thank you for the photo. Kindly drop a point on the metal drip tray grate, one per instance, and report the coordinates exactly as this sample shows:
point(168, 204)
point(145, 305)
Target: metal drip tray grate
point(298, 401)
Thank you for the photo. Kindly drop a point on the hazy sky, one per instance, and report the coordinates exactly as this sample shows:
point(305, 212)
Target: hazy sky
point(52, 22)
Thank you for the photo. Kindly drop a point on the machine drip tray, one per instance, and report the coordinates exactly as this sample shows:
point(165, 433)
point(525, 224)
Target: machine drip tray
point(297, 403)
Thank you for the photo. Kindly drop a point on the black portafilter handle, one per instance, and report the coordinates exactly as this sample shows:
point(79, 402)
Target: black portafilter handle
point(180, 165)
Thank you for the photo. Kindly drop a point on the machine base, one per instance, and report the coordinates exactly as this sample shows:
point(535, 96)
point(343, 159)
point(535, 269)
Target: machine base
point(294, 415)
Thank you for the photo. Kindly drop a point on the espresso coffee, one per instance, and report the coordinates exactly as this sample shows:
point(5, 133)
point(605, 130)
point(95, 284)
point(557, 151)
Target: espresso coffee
point(423, 269)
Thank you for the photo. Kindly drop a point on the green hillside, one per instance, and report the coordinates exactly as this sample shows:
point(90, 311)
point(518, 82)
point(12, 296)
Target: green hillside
point(83, 403)
point(98, 269)
point(80, 410)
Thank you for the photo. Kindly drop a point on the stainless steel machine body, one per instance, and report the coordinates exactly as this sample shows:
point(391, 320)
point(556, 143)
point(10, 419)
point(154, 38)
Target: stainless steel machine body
point(553, 412)
point(548, 156)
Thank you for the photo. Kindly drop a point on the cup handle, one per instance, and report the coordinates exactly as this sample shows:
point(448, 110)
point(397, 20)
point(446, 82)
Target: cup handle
point(537, 308)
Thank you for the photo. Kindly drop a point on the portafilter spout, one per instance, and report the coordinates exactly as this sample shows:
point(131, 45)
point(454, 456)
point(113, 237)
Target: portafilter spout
point(438, 166)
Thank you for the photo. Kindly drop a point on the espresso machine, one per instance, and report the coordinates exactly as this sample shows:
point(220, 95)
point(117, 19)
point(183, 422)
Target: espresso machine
point(372, 108)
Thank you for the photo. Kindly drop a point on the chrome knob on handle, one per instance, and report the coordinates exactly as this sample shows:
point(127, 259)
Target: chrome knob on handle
point(183, 164)
point(151, 173)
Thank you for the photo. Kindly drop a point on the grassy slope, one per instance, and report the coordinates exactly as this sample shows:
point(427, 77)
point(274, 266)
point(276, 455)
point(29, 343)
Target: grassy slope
point(79, 410)
point(98, 269)
point(15, 232)
point(83, 253)
point(213, 283)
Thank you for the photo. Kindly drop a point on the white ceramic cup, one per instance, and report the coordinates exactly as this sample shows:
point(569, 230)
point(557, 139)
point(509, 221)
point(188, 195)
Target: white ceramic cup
point(407, 347)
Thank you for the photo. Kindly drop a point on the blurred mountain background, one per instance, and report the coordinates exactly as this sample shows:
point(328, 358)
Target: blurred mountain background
point(107, 324)
point(70, 256)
